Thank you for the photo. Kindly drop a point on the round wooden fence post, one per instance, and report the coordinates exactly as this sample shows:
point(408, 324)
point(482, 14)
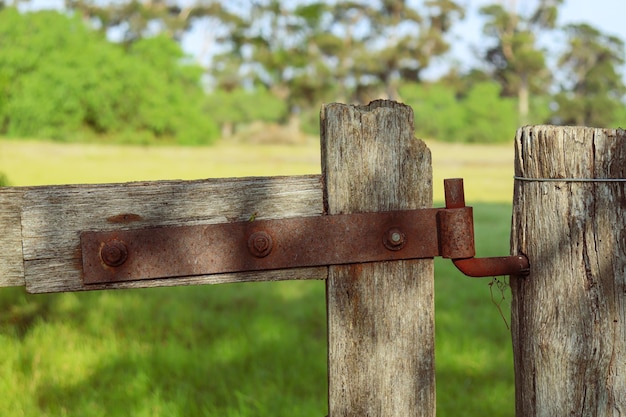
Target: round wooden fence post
point(569, 314)
point(380, 314)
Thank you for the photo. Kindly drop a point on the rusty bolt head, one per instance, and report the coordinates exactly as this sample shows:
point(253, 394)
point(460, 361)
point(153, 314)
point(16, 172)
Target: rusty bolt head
point(114, 253)
point(260, 244)
point(394, 239)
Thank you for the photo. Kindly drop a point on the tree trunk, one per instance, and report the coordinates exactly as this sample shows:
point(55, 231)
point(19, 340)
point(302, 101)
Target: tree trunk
point(569, 315)
point(523, 101)
point(380, 315)
point(228, 129)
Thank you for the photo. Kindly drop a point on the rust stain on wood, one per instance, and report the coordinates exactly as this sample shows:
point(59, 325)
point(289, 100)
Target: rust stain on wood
point(125, 218)
point(77, 259)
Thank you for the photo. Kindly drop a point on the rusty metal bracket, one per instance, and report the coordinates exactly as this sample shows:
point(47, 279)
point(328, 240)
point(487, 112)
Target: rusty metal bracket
point(169, 252)
point(462, 223)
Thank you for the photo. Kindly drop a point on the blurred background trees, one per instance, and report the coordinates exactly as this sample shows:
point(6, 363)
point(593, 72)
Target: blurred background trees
point(116, 71)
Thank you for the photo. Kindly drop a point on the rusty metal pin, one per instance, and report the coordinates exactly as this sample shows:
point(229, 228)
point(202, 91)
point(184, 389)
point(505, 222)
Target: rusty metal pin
point(260, 244)
point(494, 266)
point(454, 193)
point(394, 239)
point(114, 253)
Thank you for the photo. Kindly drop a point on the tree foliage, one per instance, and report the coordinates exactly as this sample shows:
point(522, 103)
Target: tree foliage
point(593, 88)
point(60, 79)
point(135, 20)
point(239, 106)
point(482, 115)
point(401, 42)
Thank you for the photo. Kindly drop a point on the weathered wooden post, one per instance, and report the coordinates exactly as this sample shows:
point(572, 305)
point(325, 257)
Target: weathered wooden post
point(380, 315)
point(569, 314)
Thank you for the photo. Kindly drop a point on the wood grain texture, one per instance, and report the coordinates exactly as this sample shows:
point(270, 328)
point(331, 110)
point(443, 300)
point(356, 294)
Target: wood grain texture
point(569, 314)
point(53, 218)
point(11, 258)
point(380, 315)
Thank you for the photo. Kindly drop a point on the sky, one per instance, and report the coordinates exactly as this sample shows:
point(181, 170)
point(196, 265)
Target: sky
point(605, 14)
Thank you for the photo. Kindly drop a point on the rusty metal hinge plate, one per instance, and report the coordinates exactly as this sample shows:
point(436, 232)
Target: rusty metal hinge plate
point(169, 252)
point(163, 252)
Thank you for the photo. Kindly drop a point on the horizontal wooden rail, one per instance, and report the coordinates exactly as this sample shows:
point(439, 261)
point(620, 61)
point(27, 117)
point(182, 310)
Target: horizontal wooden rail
point(42, 225)
point(11, 257)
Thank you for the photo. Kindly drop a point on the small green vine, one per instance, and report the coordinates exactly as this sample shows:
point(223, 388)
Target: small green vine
point(501, 283)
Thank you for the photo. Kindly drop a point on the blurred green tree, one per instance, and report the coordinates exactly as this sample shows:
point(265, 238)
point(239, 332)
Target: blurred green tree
point(481, 115)
point(134, 20)
point(438, 113)
point(515, 59)
point(67, 80)
point(280, 47)
point(240, 106)
point(391, 41)
point(489, 117)
point(593, 89)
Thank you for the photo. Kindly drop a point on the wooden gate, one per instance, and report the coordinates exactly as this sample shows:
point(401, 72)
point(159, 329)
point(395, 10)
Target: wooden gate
point(380, 315)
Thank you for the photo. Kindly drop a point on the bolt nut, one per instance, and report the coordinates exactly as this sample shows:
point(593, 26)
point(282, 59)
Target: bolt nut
point(114, 253)
point(394, 239)
point(260, 244)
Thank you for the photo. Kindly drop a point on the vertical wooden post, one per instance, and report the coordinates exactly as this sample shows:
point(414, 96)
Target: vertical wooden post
point(569, 315)
point(380, 315)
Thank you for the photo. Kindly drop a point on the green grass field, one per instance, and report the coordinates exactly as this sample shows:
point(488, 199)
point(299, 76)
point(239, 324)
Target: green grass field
point(234, 350)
